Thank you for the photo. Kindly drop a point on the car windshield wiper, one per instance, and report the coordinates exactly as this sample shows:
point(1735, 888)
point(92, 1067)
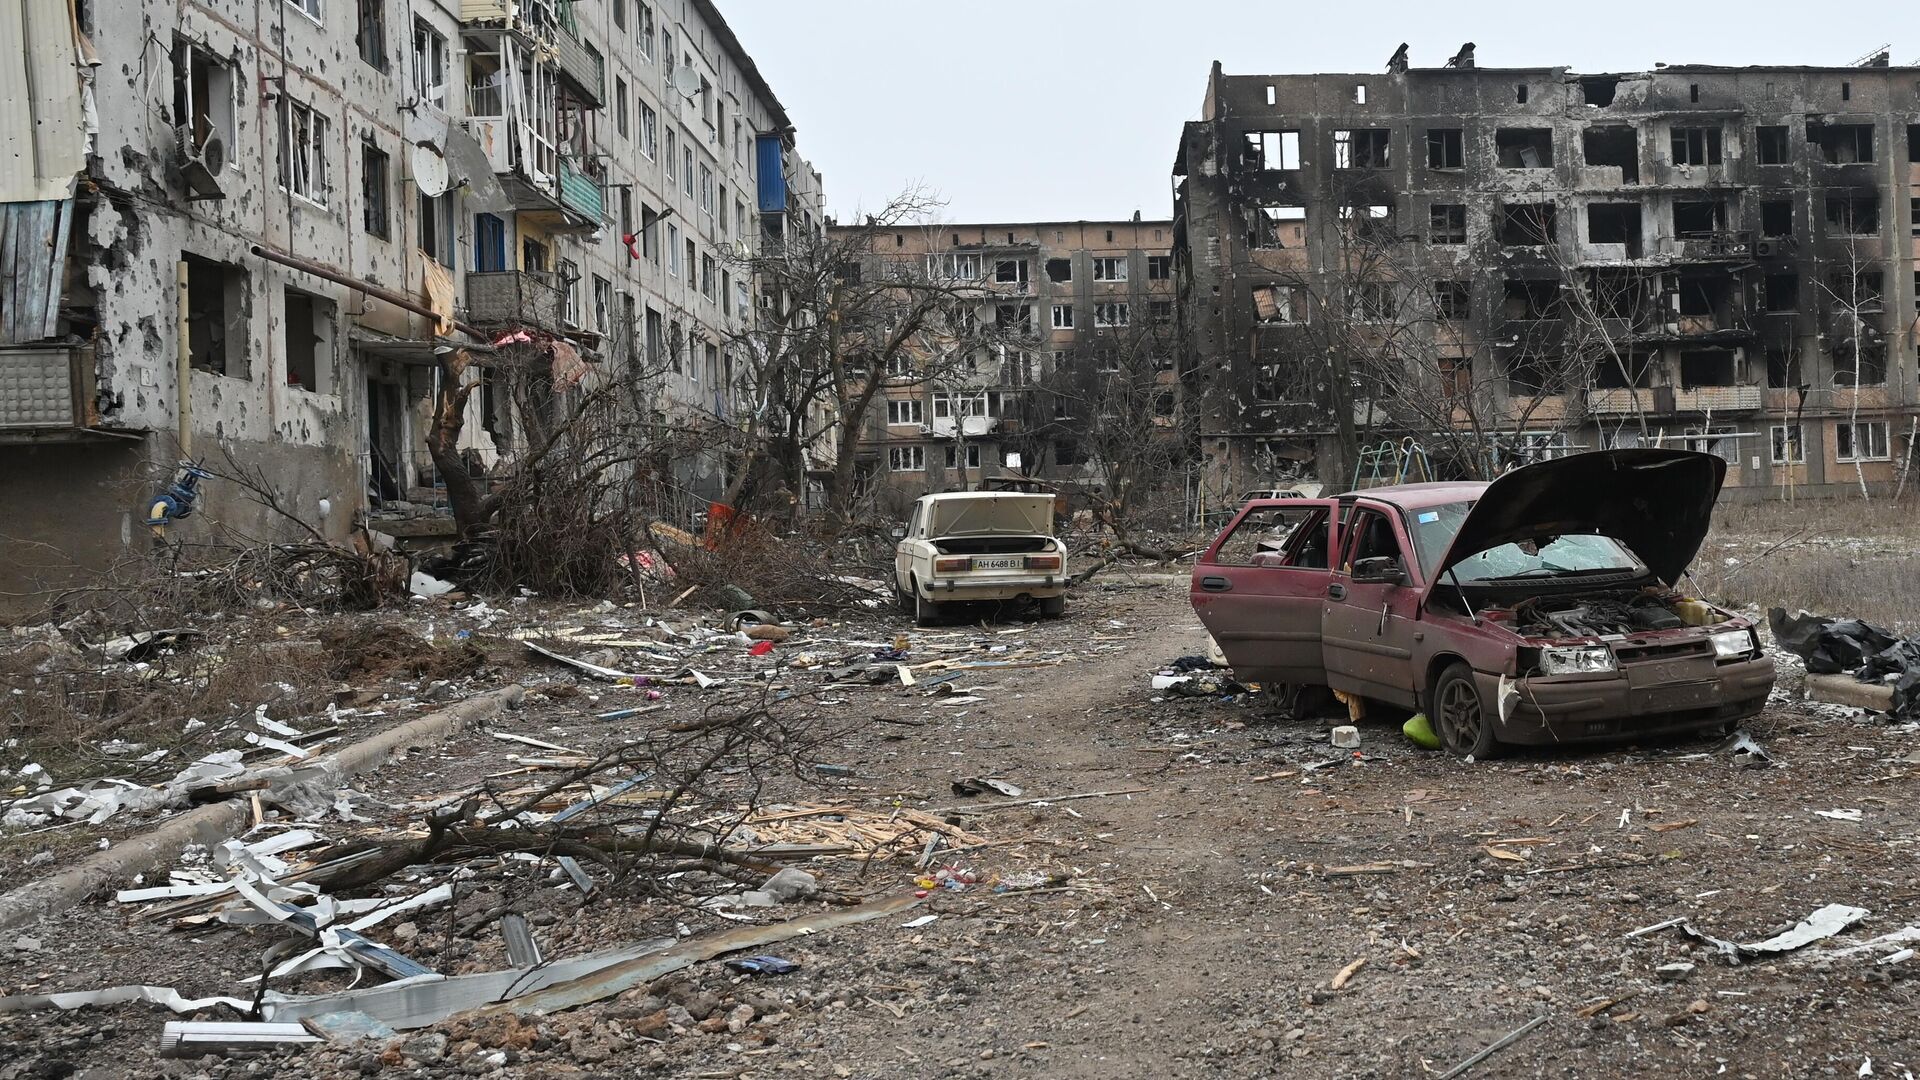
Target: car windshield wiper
point(1556, 571)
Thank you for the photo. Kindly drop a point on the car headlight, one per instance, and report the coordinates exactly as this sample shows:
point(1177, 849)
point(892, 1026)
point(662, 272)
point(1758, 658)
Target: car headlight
point(1733, 644)
point(1575, 659)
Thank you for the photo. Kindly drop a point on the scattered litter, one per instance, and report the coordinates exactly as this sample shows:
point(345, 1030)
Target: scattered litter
point(527, 740)
point(1419, 731)
point(1824, 923)
point(1345, 737)
point(195, 1038)
point(1839, 815)
point(762, 965)
point(980, 785)
point(1505, 1041)
point(915, 924)
point(425, 584)
point(1747, 754)
point(1852, 647)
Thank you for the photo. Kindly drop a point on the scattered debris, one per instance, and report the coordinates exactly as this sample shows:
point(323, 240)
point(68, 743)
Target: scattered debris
point(1505, 1041)
point(1823, 923)
point(1852, 647)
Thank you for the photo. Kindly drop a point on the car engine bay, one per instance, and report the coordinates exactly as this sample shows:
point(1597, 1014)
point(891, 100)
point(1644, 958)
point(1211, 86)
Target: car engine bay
point(1604, 614)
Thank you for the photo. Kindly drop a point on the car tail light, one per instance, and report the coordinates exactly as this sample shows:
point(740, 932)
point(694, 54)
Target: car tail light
point(949, 565)
point(1043, 562)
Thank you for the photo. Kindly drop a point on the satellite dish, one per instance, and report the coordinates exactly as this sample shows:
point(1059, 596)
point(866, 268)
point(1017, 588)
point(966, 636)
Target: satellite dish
point(430, 172)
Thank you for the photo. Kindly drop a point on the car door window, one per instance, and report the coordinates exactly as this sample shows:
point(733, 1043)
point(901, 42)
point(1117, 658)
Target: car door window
point(913, 524)
point(1276, 536)
point(1371, 536)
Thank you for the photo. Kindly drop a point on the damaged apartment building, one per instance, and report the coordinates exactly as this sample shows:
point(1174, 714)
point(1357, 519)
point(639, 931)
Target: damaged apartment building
point(253, 228)
point(1067, 304)
point(1714, 257)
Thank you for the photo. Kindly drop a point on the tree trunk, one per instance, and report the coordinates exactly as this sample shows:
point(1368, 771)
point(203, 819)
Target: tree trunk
point(466, 494)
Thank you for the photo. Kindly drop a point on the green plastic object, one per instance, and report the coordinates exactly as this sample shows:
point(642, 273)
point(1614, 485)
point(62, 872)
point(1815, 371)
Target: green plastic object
point(1420, 732)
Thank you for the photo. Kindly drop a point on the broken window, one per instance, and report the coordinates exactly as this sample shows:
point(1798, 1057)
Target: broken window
point(1280, 304)
point(1855, 290)
point(1445, 149)
point(1110, 269)
point(1615, 223)
point(1371, 301)
point(1618, 372)
point(1453, 300)
point(376, 186)
point(972, 456)
point(1271, 150)
point(1520, 93)
point(1913, 215)
point(1063, 316)
point(1446, 224)
point(1615, 146)
point(1530, 372)
point(1776, 218)
point(1706, 367)
point(1782, 292)
point(1789, 447)
point(907, 458)
point(1774, 149)
point(307, 340)
point(216, 316)
point(1696, 146)
point(1278, 226)
point(1698, 219)
point(1527, 223)
point(1783, 367)
point(1159, 267)
point(964, 267)
point(430, 54)
point(1060, 270)
point(1702, 296)
point(1524, 148)
point(1013, 317)
point(1361, 148)
point(436, 228)
point(371, 33)
point(312, 9)
point(906, 411)
point(1617, 292)
point(1373, 222)
point(303, 151)
point(1843, 144)
point(1110, 314)
point(202, 95)
point(1010, 270)
point(1530, 300)
point(1854, 215)
point(1862, 441)
point(1598, 90)
point(1159, 311)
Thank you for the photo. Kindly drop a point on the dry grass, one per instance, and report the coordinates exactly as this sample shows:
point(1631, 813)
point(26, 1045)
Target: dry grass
point(1839, 558)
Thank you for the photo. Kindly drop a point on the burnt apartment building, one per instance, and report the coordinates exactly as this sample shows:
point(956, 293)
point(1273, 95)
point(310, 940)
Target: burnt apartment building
point(1072, 301)
point(251, 228)
point(1715, 257)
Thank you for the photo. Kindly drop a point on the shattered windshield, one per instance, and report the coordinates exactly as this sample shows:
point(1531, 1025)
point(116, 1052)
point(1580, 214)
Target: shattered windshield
point(1434, 527)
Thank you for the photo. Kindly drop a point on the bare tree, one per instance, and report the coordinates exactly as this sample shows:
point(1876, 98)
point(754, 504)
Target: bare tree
point(1855, 295)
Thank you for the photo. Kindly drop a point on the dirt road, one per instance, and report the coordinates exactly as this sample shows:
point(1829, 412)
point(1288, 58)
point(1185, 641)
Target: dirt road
point(1266, 906)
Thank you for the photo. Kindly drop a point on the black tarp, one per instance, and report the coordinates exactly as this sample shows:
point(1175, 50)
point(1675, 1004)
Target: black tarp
point(1853, 647)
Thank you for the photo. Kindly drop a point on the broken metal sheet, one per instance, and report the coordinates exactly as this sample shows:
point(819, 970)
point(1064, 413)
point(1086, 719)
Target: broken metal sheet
point(422, 1002)
point(526, 740)
point(1824, 923)
point(80, 999)
point(1903, 936)
point(192, 1038)
point(575, 873)
point(614, 792)
point(522, 950)
point(594, 670)
point(439, 894)
point(625, 976)
point(349, 1027)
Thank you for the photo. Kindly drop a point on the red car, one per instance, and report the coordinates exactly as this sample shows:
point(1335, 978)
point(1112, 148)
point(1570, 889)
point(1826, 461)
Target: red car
point(1544, 607)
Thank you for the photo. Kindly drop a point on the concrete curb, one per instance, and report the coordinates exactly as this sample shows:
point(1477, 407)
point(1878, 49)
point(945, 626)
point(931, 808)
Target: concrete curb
point(218, 822)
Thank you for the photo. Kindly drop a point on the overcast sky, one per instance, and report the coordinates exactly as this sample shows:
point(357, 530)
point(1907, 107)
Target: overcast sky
point(1071, 109)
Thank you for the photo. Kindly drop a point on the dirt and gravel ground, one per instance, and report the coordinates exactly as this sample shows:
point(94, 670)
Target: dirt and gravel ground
point(1209, 924)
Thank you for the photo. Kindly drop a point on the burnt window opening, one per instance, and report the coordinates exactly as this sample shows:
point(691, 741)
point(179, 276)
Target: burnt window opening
point(1696, 146)
point(1853, 215)
point(1855, 290)
point(1703, 296)
point(1781, 292)
point(1776, 218)
point(1694, 220)
point(1361, 148)
point(1524, 148)
point(1531, 372)
point(1707, 367)
point(1446, 224)
point(1060, 270)
point(1630, 369)
point(1445, 148)
point(1277, 226)
point(1774, 147)
point(1372, 301)
point(1613, 146)
point(1842, 144)
point(1453, 300)
point(1616, 293)
point(1529, 299)
point(217, 316)
point(1615, 223)
point(1783, 367)
point(1013, 317)
point(1598, 90)
point(1271, 150)
point(306, 334)
point(1527, 224)
point(1280, 304)
point(1373, 222)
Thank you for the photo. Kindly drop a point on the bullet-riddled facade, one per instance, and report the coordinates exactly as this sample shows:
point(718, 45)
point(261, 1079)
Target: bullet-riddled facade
point(1769, 212)
point(289, 194)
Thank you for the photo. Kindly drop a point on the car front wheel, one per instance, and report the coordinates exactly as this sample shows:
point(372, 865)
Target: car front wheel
point(1460, 717)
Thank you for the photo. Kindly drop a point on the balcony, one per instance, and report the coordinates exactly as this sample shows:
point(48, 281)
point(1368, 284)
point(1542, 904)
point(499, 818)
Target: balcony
point(517, 298)
point(1709, 247)
point(1620, 401)
point(44, 390)
point(1719, 399)
point(582, 192)
point(583, 72)
point(1666, 400)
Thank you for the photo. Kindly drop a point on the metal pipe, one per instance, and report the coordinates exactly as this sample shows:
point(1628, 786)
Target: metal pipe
point(183, 364)
point(378, 293)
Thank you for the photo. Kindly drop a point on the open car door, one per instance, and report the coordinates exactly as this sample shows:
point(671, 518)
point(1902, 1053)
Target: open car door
point(1260, 587)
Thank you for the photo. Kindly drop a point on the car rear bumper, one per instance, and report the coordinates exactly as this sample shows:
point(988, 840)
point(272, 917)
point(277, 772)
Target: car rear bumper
point(1548, 709)
point(1034, 586)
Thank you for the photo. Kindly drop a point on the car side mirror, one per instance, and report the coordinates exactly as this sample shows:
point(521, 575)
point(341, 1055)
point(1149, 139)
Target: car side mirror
point(899, 532)
point(1379, 570)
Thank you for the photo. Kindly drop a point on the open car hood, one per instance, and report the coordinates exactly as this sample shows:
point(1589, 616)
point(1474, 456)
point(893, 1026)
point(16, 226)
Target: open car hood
point(1659, 503)
point(991, 514)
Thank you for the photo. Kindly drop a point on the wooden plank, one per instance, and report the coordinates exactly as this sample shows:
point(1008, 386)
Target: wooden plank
point(57, 284)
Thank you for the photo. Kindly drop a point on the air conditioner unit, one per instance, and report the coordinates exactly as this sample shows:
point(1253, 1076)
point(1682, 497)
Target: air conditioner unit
point(200, 167)
point(1763, 248)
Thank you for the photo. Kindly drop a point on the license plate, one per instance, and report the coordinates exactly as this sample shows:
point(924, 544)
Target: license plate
point(1016, 562)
